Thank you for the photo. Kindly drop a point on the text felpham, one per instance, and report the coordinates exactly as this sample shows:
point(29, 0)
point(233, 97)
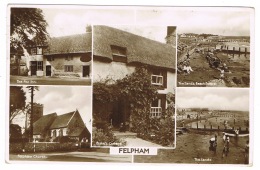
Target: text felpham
point(133, 151)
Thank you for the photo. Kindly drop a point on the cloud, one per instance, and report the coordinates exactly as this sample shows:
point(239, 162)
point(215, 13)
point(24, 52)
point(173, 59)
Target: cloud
point(64, 99)
point(219, 99)
point(221, 21)
point(71, 21)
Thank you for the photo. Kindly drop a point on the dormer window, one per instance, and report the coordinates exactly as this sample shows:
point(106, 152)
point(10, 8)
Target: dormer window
point(119, 53)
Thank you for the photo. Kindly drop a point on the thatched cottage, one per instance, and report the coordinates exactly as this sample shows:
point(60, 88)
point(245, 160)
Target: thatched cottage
point(67, 56)
point(117, 53)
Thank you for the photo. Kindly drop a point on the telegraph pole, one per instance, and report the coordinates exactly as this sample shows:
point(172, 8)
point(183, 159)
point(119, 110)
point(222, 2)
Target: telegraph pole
point(31, 121)
point(31, 90)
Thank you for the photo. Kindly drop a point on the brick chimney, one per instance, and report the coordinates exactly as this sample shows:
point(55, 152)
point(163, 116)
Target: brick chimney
point(171, 36)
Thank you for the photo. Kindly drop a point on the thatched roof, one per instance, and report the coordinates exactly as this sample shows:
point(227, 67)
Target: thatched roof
point(62, 120)
point(43, 124)
point(139, 49)
point(80, 43)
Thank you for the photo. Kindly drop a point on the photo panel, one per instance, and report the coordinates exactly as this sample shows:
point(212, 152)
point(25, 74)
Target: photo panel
point(134, 86)
point(47, 49)
point(53, 125)
point(215, 52)
point(48, 120)
point(213, 127)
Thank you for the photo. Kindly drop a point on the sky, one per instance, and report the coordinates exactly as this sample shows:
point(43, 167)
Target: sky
point(64, 99)
point(65, 20)
point(220, 21)
point(74, 21)
point(213, 98)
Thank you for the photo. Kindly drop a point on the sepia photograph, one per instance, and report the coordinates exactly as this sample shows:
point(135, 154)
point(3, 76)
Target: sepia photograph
point(134, 86)
point(212, 128)
point(130, 84)
point(216, 52)
point(52, 123)
point(46, 50)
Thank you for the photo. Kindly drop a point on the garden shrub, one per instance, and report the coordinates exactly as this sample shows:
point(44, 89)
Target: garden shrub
point(137, 92)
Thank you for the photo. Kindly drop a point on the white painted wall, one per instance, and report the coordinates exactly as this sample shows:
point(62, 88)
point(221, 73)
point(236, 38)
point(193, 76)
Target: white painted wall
point(113, 70)
point(117, 70)
point(65, 131)
point(171, 80)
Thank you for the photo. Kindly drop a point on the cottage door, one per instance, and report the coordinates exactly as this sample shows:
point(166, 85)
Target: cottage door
point(33, 68)
point(85, 71)
point(120, 113)
point(48, 70)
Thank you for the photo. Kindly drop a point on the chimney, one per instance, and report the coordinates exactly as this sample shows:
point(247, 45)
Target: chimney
point(171, 36)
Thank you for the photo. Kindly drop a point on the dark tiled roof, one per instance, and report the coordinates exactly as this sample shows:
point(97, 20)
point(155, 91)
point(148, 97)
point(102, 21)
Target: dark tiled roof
point(62, 120)
point(80, 43)
point(75, 132)
point(43, 123)
point(139, 49)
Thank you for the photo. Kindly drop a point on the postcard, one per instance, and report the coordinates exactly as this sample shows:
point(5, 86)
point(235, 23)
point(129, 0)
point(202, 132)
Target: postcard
point(130, 84)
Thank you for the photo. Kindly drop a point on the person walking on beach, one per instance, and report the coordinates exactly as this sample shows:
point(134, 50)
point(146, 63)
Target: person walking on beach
point(225, 150)
point(247, 152)
point(188, 55)
point(213, 144)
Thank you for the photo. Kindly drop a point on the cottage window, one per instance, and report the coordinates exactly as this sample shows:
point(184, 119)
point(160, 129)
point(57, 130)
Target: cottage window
point(119, 53)
point(54, 133)
point(39, 50)
point(157, 78)
point(65, 132)
point(39, 65)
point(33, 51)
point(68, 68)
point(68, 58)
point(61, 132)
point(50, 58)
point(156, 109)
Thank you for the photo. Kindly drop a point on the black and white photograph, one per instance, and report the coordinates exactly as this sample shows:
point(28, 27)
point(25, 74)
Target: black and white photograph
point(52, 123)
point(213, 127)
point(47, 48)
point(134, 86)
point(215, 52)
point(129, 84)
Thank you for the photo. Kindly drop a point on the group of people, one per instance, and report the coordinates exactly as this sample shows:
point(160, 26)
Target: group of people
point(184, 66)
point(226, 142)
point(213, 145)
point(223, 68)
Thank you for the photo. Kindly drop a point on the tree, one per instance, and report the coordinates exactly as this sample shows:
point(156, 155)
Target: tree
point(17, 101)
point(27, 28)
